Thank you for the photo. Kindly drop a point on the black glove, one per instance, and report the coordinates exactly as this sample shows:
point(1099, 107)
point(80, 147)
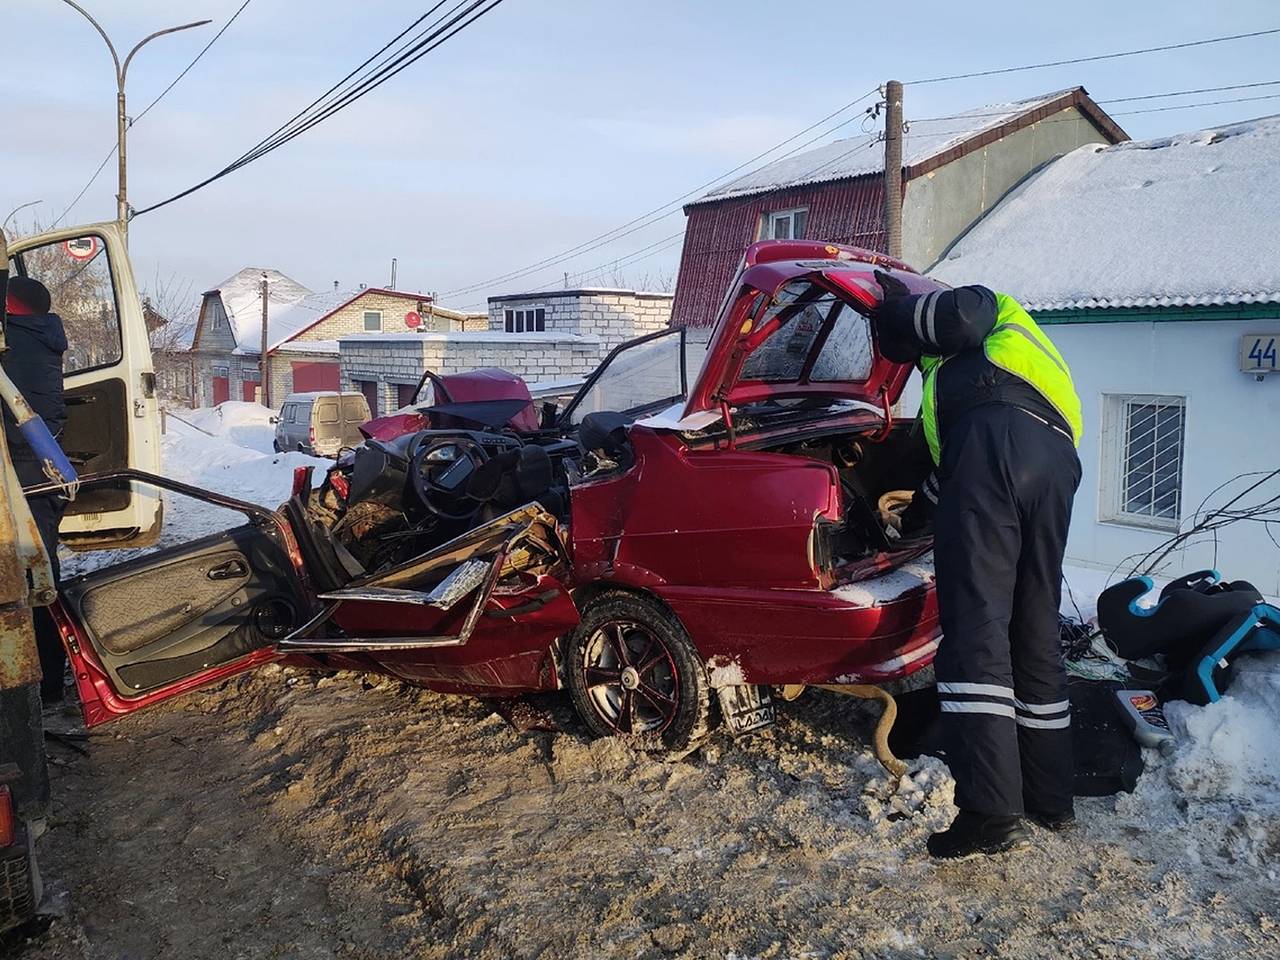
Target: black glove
point(917, 518)
point(892, 319)
point(891, 285)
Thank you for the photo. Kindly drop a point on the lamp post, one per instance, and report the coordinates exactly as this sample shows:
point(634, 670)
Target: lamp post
point(122, 122)
point(21, 206)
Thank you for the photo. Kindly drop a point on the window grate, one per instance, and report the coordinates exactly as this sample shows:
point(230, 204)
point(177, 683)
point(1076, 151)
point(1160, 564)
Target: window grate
point(1151, 478)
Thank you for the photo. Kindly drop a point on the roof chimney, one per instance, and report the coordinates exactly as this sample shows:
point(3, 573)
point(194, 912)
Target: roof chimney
point(335, 284)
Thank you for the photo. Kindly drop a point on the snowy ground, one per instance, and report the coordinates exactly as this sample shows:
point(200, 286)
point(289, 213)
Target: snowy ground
point(290, 814)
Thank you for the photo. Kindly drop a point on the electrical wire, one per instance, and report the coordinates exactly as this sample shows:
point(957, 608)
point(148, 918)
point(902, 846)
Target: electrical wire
point(1124, 113)
point(644, 220)
point(436, 34)
point(1094, 59)
point(147, 109)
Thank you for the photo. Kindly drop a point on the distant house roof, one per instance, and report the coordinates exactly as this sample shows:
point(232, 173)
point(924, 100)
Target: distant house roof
point(242, 300)
point(1187, 220)
point(926, 146)
point(292, 319)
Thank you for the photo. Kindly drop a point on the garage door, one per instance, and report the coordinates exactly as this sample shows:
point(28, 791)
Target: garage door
point(221, 390)
point(314, 376)
point(249, 390)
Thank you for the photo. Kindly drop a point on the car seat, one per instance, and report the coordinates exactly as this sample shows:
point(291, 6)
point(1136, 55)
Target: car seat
point(1200, 625)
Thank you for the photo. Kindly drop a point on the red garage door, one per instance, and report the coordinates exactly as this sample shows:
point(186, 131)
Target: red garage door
point(221, 390)
point(250, 390)
point(314, 376)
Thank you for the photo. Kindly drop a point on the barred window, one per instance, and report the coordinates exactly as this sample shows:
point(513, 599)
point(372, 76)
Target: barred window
point(1151, 432)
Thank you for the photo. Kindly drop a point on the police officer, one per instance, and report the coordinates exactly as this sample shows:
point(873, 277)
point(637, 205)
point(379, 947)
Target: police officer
point(1002, 421)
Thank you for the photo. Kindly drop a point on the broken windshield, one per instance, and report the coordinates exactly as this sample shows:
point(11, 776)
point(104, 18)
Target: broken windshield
point(820, 338)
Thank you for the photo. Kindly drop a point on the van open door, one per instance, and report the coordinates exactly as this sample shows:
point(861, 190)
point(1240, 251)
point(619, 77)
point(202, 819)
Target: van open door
point(113, 420)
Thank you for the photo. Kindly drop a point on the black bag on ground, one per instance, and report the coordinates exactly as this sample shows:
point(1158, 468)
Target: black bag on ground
point(1107, 759)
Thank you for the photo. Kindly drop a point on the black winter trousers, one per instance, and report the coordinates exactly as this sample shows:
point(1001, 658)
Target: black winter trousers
point(1007, 482)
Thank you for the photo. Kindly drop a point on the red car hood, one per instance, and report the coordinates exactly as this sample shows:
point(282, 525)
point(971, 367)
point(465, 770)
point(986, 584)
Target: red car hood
point(744, 325)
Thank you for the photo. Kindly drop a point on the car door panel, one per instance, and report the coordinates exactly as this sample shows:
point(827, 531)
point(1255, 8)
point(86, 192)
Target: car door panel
point(146, 629)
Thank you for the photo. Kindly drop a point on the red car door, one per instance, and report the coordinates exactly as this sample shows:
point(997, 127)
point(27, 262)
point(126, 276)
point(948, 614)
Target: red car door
point(156, 626)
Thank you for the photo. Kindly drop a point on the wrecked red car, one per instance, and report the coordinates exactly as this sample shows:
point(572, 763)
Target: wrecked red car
point(665, 549)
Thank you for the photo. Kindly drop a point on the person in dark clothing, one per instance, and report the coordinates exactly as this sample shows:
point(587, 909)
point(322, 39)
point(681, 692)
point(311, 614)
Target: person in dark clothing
point(36, 342)
point(1002, 421)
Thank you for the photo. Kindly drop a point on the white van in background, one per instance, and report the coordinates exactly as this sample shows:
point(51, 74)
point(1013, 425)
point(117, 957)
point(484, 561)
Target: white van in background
point(320, 423)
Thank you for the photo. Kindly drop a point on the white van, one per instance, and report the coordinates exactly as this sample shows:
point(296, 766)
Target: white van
point(320, 423)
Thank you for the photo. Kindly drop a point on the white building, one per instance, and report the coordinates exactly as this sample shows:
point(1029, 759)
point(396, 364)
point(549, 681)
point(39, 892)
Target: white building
point(1155, 268)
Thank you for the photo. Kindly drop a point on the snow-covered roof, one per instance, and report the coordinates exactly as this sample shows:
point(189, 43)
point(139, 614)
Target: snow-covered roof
point(304, 313)
point(474, 336)
point(242, 300)
point(1187, 220)
point(923, 141)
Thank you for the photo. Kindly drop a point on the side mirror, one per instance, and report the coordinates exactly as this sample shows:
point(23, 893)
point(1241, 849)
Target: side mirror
point(274, 420)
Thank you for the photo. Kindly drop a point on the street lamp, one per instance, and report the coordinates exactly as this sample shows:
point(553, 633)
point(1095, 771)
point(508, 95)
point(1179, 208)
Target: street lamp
point(122, 123)
point(21, 206)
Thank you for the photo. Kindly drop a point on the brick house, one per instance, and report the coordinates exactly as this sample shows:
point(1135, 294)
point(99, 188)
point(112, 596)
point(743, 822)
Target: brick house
point(955, 168)
point(554, 336)
point(302, 333)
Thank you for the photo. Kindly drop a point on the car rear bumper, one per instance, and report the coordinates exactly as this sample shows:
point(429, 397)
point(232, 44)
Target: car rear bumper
point(873, 631)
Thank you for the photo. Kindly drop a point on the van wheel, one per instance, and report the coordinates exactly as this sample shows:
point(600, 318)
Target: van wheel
point(634, 672)
point(275, 445)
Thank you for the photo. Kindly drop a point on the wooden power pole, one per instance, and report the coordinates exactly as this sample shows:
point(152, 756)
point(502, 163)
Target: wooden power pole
point(893, 166)
point(264, 390)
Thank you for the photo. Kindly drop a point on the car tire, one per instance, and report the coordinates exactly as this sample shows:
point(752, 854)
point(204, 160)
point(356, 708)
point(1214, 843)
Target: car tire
point(655, 691)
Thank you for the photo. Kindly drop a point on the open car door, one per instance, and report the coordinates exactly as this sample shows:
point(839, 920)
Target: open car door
point(109, 384)
point(146, 630)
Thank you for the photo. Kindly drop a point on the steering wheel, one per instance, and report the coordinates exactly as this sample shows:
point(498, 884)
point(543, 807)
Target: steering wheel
point(441, 471)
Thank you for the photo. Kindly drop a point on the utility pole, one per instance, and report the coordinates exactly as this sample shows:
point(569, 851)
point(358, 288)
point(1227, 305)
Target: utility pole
point(263, 373)
point(122, 119)
point(893, 166)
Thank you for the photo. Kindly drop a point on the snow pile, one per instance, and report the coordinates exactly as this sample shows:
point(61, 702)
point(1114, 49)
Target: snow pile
point(1177, 221)
point(236, 421)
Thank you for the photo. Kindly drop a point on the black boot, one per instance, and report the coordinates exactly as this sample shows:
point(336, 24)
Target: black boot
point(973, 833)
point(1056, 821)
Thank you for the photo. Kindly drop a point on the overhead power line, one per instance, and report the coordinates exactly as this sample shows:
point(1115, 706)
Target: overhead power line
point(447, 26)
point(1095, 58)
point(1077, 119)
point(147, 109)
point(672, 207)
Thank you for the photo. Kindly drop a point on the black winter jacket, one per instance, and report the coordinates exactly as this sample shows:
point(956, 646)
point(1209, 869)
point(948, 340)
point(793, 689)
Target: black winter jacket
point(33, 362)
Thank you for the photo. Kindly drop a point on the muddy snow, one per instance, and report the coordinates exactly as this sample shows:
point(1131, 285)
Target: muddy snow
point(295, 814)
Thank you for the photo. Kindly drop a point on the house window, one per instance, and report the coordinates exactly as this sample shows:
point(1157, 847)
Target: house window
point(373, 321)
point(529, 320)
point(785, 224)
point(1146, 437)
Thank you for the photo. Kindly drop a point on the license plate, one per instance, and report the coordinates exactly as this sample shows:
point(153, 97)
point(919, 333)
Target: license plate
point(745, 708)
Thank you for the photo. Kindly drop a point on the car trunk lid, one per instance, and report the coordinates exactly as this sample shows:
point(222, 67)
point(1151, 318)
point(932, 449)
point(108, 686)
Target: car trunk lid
point(794, 324)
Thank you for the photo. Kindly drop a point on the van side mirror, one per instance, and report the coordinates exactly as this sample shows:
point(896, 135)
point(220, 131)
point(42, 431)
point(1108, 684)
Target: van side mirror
point(274, 420)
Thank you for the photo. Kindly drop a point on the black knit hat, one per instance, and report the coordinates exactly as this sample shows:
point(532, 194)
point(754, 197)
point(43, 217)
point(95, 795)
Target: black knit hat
point(32, 294)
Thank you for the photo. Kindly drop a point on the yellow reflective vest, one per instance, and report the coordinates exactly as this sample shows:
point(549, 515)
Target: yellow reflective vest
point(1018, 345)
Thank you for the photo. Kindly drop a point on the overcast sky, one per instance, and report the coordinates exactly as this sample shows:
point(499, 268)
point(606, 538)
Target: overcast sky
point(544, 124)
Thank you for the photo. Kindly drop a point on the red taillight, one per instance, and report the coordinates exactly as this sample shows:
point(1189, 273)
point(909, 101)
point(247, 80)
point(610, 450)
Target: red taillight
point(6, 816)
point(341, 486)
point(301, 481)
point(311, 434)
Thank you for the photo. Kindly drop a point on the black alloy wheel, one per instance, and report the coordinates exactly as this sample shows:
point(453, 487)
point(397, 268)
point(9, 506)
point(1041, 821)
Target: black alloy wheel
point(634, 672)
